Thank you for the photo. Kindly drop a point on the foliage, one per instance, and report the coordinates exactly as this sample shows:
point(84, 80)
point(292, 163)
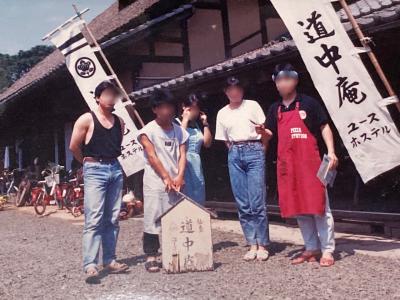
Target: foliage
point(12, 67)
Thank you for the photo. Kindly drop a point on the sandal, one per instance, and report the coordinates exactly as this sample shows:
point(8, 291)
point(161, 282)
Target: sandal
point(250, 255)
point(327, 261)
point(262, 254)
point(306, 256)
point(92, 275)
point(123, 215)
point(152, 266)
point(116, 267)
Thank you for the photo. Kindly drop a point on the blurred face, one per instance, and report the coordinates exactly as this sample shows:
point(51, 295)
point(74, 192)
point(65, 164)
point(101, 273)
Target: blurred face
point(234, 94)
point(108, 99)
point(286, 85)
point(194, 111)
point(165, 112)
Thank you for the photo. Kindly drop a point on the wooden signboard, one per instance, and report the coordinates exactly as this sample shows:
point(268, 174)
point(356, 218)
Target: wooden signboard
point(186, 238)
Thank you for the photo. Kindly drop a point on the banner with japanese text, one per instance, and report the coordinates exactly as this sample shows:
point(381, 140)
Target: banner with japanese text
point(344, 84)
point(88, 69)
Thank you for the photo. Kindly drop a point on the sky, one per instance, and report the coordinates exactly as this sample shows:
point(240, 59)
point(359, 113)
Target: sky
point(23, 23)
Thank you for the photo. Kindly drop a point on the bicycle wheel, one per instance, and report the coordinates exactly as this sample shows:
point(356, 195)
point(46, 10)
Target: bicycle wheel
point(22, 194)
point(12, 197)
point(76, 211)
point(40, 204)
point(68, 201)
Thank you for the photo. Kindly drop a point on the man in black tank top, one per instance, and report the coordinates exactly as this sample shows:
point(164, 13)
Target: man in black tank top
point(96, 142)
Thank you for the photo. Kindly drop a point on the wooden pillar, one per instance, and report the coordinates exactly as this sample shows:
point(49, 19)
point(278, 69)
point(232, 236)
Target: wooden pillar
point(263, 27)
point(18, 151)
point(67, 139)
point(225, 29)
point(56, 148)
point(185, 46)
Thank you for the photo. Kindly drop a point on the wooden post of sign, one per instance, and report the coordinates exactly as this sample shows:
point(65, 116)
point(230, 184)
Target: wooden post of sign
point(125, 94)
point(364, 41)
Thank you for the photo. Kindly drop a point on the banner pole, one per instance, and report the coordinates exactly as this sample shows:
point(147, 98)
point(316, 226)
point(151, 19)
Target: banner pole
point(364, 41)
point(125, 94)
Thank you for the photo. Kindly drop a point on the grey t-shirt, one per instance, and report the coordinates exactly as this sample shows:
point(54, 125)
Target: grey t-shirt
point(166, 144)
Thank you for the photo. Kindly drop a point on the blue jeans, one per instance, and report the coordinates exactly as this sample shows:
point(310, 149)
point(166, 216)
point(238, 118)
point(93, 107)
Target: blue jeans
point(246, 164)
point(103, 193)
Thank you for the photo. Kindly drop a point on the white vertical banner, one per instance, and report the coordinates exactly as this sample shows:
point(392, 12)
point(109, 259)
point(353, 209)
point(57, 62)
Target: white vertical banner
point(344, 84)
point(88, 69)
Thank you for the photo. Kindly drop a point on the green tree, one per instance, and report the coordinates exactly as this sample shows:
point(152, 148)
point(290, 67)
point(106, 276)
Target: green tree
point(12, 67)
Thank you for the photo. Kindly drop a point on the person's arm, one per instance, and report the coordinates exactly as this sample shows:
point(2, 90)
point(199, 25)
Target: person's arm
point(266, 135)
point(122, 125)
point(207, 137)
point(220, 132)
point(320, 116)
point(78, 136)
point(185, 118)
point(206, 131)
point(179, 180)
point(267, 130)
point(327, 136)
point(155, 162)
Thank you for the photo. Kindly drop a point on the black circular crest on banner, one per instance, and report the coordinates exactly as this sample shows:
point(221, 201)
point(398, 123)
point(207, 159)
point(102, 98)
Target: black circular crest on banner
point(85, 67)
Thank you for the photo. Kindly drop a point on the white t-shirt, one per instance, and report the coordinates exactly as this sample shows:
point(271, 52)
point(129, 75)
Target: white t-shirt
point(234, 125)
point(166, 145)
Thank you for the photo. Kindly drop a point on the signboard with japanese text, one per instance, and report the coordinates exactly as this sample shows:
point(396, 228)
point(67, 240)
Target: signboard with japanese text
point(88, 69)
point(344, 84)
point(186, 238)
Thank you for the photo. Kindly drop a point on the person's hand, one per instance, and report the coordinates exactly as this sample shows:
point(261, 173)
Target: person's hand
point(169, 184)
point(266, 133)
point(186, 114)
point(203, 118)
point(333, 161)
point(260, 129)
point(178, 183)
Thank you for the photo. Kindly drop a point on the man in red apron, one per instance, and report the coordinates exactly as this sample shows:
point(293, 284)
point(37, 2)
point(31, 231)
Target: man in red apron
point(296, 122)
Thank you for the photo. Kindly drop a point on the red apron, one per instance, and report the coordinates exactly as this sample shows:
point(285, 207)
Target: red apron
point(300, 190)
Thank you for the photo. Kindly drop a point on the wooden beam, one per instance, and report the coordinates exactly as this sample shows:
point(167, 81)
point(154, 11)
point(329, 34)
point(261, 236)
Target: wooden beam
point(262, 7)
point(157, 58)
point(207, 5)
point(225, 28)
point(348, 215)
point(168, 39)
point(185, 46)
point(152, 47)
point(245, 39)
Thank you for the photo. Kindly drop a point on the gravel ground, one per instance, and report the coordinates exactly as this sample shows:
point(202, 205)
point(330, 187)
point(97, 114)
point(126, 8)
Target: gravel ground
point(40, 258)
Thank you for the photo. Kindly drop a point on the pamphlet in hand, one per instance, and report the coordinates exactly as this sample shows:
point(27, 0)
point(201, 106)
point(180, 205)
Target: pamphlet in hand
point(326, 176)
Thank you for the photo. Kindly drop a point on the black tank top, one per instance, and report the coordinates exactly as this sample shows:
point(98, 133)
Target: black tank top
point(104, 143)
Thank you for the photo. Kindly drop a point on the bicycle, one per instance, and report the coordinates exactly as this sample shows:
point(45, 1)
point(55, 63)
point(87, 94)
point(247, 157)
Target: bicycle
point(44, 193)
point(10, 181)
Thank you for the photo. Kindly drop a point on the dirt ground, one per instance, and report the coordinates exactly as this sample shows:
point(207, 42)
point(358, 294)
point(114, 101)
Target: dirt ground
point(40, 258)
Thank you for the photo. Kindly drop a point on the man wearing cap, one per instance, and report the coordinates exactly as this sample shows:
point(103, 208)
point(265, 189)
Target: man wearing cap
point(96, 142)
point(236, 124)
point(297, 122)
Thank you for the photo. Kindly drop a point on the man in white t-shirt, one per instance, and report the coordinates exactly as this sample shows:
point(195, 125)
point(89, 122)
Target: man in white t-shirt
point(236, 123)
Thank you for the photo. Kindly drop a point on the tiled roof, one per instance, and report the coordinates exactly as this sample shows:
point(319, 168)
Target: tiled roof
point(367, 12)
point(112, 22)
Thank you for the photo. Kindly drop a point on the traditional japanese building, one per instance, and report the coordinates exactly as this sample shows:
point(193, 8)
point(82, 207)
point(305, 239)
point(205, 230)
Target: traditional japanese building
point(192, 46)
